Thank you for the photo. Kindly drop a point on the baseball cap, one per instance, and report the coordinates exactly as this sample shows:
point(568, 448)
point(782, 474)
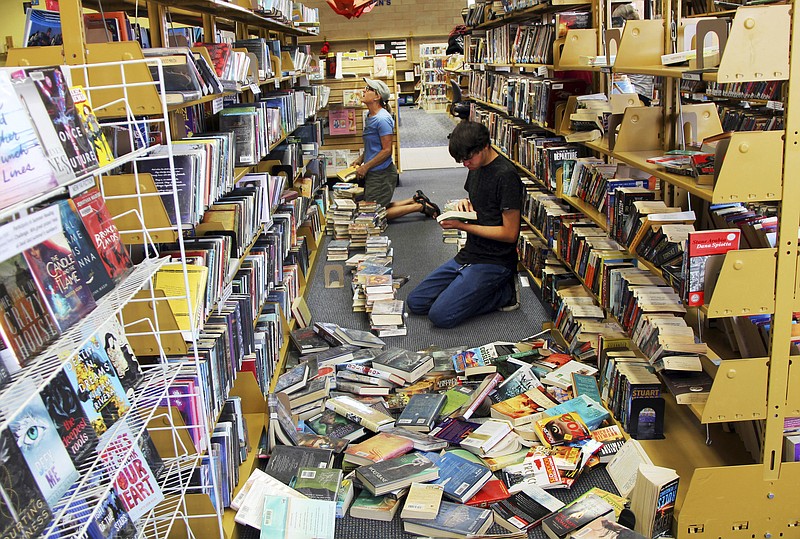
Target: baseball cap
point(380, 87)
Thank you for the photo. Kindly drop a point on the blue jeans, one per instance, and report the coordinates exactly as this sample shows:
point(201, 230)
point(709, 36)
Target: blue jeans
point(454, 292)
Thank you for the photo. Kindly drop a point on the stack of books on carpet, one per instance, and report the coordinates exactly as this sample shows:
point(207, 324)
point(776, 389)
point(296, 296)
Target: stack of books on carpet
point(340, 217)
point(338, 250)
point(453, 441)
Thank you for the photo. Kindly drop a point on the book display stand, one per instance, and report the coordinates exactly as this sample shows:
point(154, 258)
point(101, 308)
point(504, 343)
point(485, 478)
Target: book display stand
point(721, 494)
point(118, 83)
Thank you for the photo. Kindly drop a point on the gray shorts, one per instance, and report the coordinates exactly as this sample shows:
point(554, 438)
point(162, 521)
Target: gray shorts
point(379, 185)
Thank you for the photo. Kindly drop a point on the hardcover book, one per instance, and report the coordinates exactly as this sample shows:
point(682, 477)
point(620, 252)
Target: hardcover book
point(41, 447)
point(103, 232)
point(57, 99)
point(384, 477)
point(55, 271)
point(90, 267)
point(307, 341)
point(72, 424)
point(24, 167)
point(134, 482)
point(25, 511)
point(99, 390)
point(421, 411)
point(121, 355)
point(26, 325)
point(453, 519)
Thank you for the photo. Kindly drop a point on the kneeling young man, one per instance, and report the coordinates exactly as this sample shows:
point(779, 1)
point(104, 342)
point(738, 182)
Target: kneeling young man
point(482, 276)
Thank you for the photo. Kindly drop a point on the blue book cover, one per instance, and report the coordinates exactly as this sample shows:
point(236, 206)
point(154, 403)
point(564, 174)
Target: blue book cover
point(111, 520)
point(47, 458)
point(460, 477)
point(592, 413)
point(42, 28)
point(276, 510)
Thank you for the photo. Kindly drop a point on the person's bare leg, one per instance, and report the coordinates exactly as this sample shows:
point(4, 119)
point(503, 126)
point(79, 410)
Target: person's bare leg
point(401, 208)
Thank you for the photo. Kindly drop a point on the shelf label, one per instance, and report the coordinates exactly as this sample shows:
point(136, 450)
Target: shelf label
point(542, 71)
point(294, 80)
point(77, 188)
point(688, 75)
point(775, 105)
point(255, 89)
point(29, 230)
point(277, 82)
point(216, 105)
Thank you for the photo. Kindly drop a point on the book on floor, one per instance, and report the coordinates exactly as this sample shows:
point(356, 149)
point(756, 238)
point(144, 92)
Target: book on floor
point(377, 448)
point(410, 366)
point(461, 478)
point(286, 460)
point(318, 483)
point(292, 518)
point(397, 473)
point(421, 411)
point(374, 507)
point(653, 499)
point(422, 502)
point(453, 520)
point(574, 516)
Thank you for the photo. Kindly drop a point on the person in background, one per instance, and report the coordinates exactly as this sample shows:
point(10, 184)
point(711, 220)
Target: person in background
point(483, 275)
point(375, 166)
point(643, 84)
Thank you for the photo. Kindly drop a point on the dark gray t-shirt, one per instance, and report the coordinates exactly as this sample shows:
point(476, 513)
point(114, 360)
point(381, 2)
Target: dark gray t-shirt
point(492, 189)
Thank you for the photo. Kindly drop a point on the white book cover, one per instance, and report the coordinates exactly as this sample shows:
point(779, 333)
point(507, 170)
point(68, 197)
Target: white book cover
point(251, 505)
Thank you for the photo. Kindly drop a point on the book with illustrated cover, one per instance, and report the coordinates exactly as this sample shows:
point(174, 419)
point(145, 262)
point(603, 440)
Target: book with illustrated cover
point(520, 512)
point(318, 483)
point(454, 430)
point(574, 516)
point(374, 507)
point(701, 246)
point(307, 341)
point(357, 337)
point(286, 460)
point(72, 424)
point(54, 151)
point(342, 121)
point(522, 409)
point(121, 355)
point(25, 511)
point(41, 447)
point(540, 471)
point(91, 127)
point(57, 99)
point(410, 366)
point(135, 482)
point(329, 423)
point(294, 379)
point(518, 382)
point(388, 475)
point(562, 429)
point(360, 413)
point(58, 279)
point(337, 445)
point(42, 28)
point(606, 527)
point(454, 519)
point(90, 267)
point(24, 167)
point(421, 411)
point(461, 478)
point(112, 521)
point(26, 325)
point(103, 232)
point(591, 412)
point(377, 448)
point(99, 390)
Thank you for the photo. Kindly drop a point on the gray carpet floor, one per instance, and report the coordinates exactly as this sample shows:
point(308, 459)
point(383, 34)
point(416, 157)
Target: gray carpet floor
point(420, 129)
point(418, 250)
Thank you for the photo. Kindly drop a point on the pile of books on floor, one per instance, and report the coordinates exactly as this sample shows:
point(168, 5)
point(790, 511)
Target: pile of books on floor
point(340, 217)
point(338, 250)
point(459, 439)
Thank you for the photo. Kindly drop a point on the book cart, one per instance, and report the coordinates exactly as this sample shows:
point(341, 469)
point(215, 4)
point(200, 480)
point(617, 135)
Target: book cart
point(122, 93)
point(722, 494)
point(351, 85)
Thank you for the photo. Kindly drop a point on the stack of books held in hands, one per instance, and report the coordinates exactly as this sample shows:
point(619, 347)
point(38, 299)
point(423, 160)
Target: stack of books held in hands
point(453, 442)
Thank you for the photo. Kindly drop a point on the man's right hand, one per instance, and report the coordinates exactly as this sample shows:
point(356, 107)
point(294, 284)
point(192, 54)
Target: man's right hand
point(464, 205)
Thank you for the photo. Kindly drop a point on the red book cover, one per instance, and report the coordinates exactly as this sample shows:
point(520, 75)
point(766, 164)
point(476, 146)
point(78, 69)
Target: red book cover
point(493, 491)
point(55, 270)
point(103, 232)
point(220, 55)
point(702, 245)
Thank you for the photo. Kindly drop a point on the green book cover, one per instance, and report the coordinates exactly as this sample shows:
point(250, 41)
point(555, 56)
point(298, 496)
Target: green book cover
point(318, 483)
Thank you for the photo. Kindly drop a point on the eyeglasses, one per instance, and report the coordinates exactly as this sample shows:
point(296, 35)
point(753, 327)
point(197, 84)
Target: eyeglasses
point(369, 88)
point(469, 156)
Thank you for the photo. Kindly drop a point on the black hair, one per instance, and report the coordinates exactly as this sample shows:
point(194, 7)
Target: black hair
point(468, 138)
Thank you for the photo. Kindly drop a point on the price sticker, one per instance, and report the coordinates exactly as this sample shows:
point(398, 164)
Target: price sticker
point(277, 82)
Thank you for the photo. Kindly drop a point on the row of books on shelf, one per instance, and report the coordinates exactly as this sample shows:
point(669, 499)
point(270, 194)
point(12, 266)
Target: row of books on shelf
point(505, 455)
point(768, 90)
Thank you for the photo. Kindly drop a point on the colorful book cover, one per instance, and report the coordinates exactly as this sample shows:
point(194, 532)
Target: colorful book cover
point(90, 266)
point(134, 483)
point(42, 28)
point(702, 245)
point(25, 512)
point(378, 448)
point(342, 121)
point(56, 273)
point(24, 168)
point(38, 440)
point(561, 429)
point(121, 355)
point(72, 424)
point(58, 101)
point(26, 324)
point(98, 388)
point(103, 232)
point(112, 521)
point(91, 126)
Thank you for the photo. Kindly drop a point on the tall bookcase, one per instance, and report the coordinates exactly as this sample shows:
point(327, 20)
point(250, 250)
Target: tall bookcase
point(433, 79)
point(118, 83)
point(722, 494)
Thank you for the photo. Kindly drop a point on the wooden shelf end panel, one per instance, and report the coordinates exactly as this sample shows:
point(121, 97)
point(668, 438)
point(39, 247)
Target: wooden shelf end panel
point(736, 501)
point(750, 270)
point(758, 45)
point(739, 392)
point(750, 155)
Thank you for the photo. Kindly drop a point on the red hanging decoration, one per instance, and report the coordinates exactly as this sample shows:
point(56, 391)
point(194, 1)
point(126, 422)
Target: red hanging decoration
point(351, 8)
